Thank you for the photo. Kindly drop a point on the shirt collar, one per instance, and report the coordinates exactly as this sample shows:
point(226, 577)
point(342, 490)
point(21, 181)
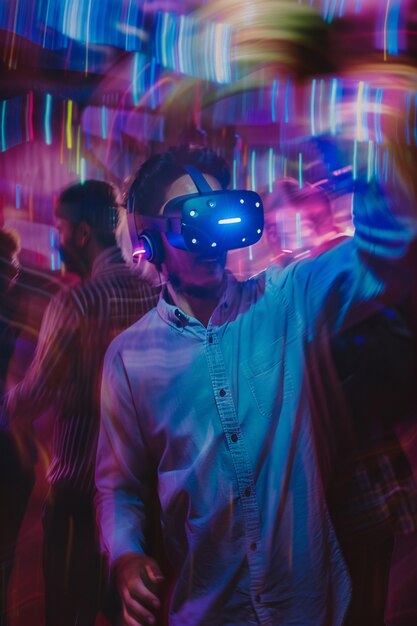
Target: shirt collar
point(175, 317)
point(106, 260)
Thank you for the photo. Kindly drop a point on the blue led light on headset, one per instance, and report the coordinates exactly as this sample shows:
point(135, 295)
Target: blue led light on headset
point(207, 222)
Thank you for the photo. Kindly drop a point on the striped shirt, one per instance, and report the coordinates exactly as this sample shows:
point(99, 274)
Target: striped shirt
point(78, 325)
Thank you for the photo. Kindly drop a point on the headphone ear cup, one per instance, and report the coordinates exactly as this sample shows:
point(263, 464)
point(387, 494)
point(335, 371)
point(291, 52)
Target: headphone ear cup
point(151, 242)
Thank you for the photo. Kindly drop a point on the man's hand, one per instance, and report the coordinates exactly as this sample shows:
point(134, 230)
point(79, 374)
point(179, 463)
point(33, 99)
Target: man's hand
point(138, 578)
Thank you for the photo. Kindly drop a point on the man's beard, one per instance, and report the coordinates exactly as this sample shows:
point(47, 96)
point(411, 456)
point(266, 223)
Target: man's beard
point(72, 263)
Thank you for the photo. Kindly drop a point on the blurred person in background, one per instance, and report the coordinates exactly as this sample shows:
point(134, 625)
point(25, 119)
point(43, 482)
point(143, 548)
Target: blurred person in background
point(17, 455)
point(65, 374)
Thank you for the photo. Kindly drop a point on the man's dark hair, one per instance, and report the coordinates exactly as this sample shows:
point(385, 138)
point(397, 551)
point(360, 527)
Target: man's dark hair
point(95, 202)
point(161, 170)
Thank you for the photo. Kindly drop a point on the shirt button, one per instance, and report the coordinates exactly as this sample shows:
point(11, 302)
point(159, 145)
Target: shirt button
point(222, 392)
point(211, 339)
point(253, 546)
point(234, 437)
point(247, 492)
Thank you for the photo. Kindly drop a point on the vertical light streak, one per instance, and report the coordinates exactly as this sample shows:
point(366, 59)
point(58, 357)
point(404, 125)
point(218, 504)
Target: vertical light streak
point(69, 125)
point(312, 108)
point(46, 24)
point(181, 40)
point(359, 110)
point(287, 101)
point(355, 160)
point(274, 93)
point(103, 121)
point(271, 169)
point(87, 37)
point(378, 114)
point(300, 170)
point(52, 248)
point(3, 125)
point(18, 189)
point(370, 161)
point(385, 29)
point(128, 26)
point(333, 97)
point(298, 229)
point(234, 183)
point(47, 119)
point(82, 170)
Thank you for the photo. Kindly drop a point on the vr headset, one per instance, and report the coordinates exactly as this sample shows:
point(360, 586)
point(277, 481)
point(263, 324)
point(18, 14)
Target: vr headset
point(208, 222)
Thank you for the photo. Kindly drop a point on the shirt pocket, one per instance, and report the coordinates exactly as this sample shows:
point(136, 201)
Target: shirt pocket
point(268, 378)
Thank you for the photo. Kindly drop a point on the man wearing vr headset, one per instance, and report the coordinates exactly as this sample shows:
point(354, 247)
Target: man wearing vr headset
point(205, 402)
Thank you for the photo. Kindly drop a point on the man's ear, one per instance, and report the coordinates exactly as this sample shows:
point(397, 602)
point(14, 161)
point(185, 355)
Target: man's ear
point(83, 234)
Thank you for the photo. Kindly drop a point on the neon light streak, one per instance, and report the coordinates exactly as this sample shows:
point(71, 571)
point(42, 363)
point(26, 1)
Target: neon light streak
point(342, 8)
point(103, 122)
point(377, 114)
point(385, 29)
point(287, 101)
point(234, 183)
point(52, 247)
point(83, 170)
point(355, 160)
point(300, 170)
point(359, 109)
point(274, 100)
point(370, 161)
point(312, 112)
point(87, 36)
point(333, 96)
point(298, 229)
point(47, 119)
point(46, 24)
point(230, 220)
point(271, 169)
point(69, 125)
point(3, 125)
point(128, 26)
point(18, 188)
point(250, 253)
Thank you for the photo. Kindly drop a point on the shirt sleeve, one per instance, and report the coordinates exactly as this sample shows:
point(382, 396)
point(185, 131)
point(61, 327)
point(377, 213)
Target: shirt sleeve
point(341, 286)
point(52, 362)
point(123, 467)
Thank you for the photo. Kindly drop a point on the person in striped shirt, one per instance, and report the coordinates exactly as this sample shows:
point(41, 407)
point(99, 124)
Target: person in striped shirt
point(65, 375)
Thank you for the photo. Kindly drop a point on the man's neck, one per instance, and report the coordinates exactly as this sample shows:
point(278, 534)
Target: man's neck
point(194, 304)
